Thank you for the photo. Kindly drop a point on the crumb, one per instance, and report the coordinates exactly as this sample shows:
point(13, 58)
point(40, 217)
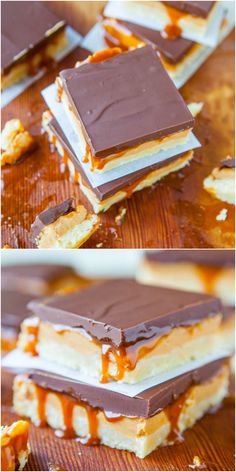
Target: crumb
point(54, 467)
point(15, 142)
point(120, 216)
point(99, 245)
point(195, 108)
point(6, 246)
point(197, 464)
point(222, 215)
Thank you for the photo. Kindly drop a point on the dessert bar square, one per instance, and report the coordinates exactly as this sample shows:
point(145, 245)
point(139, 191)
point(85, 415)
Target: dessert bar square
point(124, 331)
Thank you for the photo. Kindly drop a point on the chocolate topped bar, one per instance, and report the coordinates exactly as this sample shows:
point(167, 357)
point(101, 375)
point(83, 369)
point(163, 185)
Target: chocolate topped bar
point(25, 27)
point(172, 49)
point(227, 163)
point(14, 275)
point(213, 257)
point(50, 215)
point(201, 8)
point(122, 311)
point(125, 101)
point(145, 404)
point(108, 189)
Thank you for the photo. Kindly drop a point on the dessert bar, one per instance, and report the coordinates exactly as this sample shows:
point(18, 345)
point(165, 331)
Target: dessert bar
point(123, 107)
point(139, 424)
point(26, 49)
point(124, 331)
point(104, 196)
point(63, 226)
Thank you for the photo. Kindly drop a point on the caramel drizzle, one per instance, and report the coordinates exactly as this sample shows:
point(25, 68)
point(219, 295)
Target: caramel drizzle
point(173, 413)
point(67, 406)
point(208, 277)
point(32, 335)
point(126, 358)
point(173, 30)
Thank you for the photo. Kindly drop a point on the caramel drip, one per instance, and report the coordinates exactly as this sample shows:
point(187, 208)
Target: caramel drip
point(126, 358)
point(68, 403)
point(208, 277)
point(12, 445)
point(173, 413)
point(76, 176)
point(32, 335)
point(104, 55)
point(114, 36)
point(173, 30)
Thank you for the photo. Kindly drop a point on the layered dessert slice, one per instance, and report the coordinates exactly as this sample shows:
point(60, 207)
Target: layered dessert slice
point(63, 226)
point(139, 424)
point(123, 107)
point(104, 196)
point(221, 182)
point(175, 54)
point(21, 283)
point(205, 271)
point(14, 446)
point(123, 331)
point(189, 19)
point(32, 36)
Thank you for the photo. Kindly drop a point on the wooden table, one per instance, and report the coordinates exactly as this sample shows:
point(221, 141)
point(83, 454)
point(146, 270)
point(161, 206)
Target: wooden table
point(176, 212)
point(212, 439)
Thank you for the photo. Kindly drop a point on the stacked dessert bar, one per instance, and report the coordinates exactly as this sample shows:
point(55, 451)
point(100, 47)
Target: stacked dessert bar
point(122, 364)
point(121, 121)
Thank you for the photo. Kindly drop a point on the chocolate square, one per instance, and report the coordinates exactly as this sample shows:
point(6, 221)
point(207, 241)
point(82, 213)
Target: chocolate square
point(125, 101)
point(201, 8)
point(123, 311)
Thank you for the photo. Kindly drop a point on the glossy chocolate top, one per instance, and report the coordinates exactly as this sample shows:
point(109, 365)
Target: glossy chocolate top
point(25, 26)
point(110, 188)
point(227, 163)
point(201, 8)
point(125, 101)
point(172, 49)
point(122, 311)
point(21, 277)
point(206, 257)
point(48, 216)
point(143, 405)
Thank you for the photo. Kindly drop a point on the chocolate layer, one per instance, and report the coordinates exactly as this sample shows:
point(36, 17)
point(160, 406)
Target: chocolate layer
point(143, 405)
point(201, 8)
point(14, 307)
point(207, 257)
point(227, 163)
point(122, 311)
point(48, 216)
point(110, 188)
point(19, 277)
point(172, 49)
point(125, 101)
point(24, 29)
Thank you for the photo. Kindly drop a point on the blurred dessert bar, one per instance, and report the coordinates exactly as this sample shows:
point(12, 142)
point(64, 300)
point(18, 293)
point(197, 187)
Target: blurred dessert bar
point(188, 19)
point(63, 226)
point(123, 331)
point(158, 416)
point(98, 95)
point(26, 49)
point(14, 446)
point(205, 271)
point(221, 182)
point(22, 283)
point(104, 196)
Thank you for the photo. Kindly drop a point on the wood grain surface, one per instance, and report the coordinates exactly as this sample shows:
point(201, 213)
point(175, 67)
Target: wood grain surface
point(176, 212)
point(212, 439)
